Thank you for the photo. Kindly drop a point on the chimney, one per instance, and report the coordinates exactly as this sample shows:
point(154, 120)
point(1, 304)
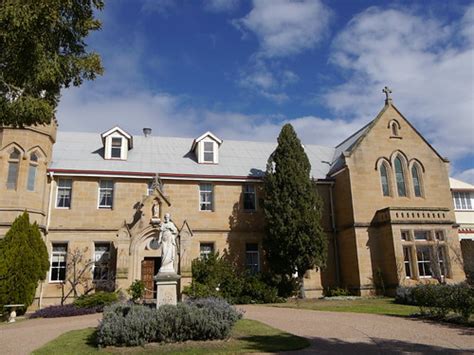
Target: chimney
point(147, 131)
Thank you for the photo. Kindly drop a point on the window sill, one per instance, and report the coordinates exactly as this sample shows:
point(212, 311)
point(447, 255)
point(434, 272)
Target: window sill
point(56, 282)
point(395, 137)
point(62, 208)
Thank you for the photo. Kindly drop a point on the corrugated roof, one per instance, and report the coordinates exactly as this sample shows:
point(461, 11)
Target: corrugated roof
point(456, 184)
point(152, 154)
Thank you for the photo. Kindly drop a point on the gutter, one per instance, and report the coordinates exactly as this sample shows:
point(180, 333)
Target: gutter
point(334, 232)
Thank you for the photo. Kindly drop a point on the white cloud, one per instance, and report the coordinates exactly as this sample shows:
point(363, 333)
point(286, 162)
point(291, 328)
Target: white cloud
point(220, 5)
point(430, 72)
point(285, 27)
point(466, 176)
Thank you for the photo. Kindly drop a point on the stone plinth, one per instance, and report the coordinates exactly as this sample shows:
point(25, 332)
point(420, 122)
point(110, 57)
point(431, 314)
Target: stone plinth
point(166, 288)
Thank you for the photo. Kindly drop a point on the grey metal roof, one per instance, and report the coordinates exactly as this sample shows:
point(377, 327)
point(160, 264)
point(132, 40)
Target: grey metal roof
point(152, 154)
point(337, 161)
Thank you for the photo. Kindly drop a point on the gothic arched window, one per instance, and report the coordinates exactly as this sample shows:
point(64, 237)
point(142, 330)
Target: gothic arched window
point(13, 163)
point(415, 174)
point(32, 172)
point(384, 180)
point(400, 177)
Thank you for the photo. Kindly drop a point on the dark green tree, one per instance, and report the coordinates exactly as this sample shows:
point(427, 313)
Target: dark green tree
point(294, 240)
point(42, 50)
point(24, 262)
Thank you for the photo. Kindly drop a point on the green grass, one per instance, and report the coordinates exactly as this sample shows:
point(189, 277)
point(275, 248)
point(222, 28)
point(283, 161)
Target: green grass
point(247, 336)
point(385, 306)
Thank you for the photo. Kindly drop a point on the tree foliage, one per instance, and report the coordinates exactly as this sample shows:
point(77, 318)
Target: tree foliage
point(294, 238)
point(42, 50)
point(23, 262)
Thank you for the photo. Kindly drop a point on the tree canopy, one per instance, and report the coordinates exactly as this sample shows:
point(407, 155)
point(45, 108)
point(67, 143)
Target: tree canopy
point(42, 50)
point(294, 240)
point(23, 262)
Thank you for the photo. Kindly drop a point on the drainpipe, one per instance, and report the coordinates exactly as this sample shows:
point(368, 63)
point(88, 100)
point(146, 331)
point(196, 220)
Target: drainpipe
point(48, 221)
point(334, 231)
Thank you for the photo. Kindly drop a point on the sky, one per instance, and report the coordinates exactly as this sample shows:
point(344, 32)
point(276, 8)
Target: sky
point(243, 68)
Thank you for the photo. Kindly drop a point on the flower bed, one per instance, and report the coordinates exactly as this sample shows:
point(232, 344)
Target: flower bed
point(68, 310)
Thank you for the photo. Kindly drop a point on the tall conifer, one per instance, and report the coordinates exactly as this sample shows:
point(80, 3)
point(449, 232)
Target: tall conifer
point(294, 241)
point(24, 262)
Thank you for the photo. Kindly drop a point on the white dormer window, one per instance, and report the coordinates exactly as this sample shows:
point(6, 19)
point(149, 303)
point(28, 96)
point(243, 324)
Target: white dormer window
point(117, 143)
point(206, 148)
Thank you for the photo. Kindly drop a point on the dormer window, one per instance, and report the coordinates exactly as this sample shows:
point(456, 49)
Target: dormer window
point(117, 143)
point(206, 148)
point(116, 149)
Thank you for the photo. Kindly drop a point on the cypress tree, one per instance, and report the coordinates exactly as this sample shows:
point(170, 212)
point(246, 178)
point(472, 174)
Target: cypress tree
point(24, 262)
point(294, 240)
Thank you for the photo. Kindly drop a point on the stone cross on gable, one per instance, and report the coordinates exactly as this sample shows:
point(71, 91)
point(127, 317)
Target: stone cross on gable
point(387, 93)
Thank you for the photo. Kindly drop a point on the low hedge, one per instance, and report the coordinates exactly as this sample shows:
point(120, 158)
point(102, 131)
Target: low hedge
point(96, 300)
point(439, 299)
point(68, 310)
point(132, 325)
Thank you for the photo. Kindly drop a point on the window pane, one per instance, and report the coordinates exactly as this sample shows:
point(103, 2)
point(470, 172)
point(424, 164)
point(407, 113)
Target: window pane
point(205, 196)
point(208, 146)
point(384, 180)
point(58, 262)
point(208, 156)
point(12, 175)
point(64, 193)
point(424, 261)
point(416, 181)
point(249, 198)
point(15, 155)
point(407, 261)
point(421, 235)
point(252, 257)
point(116, 150)
point(205, 249)
point(31, 177)
point(405, 235)
point(400, 177)
point(34, 157)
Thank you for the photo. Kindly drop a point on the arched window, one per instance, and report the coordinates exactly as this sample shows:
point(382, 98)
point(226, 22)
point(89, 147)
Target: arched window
point(384, 180)
point(400, 177)
point(415, 174)
point(32, 172)
point(13, 163)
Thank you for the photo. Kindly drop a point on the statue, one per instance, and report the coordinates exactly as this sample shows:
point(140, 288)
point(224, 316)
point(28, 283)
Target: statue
point(155, 212)
point(167, 239)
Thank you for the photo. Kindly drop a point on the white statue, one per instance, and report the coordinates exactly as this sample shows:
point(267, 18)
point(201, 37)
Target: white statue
point(167, 239)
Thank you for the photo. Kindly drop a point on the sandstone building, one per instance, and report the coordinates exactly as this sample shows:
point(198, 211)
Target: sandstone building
point(388, 211)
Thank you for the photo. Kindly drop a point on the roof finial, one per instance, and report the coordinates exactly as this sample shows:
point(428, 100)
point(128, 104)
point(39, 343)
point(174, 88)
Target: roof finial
point(387, 93)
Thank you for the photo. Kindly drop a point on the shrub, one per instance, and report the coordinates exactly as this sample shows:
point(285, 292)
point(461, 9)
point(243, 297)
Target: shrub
point(131, 325)
point(336, 292)
point(404, 295)
point(96, 300)
point(68, 310)
point(136, 290)
point(215, 276)
point(438, 300)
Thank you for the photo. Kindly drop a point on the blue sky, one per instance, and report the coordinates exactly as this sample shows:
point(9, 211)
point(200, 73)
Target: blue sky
point(242, 68)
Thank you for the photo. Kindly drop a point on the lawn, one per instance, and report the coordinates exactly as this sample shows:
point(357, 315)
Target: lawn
point(385, 306)
point(247, 336)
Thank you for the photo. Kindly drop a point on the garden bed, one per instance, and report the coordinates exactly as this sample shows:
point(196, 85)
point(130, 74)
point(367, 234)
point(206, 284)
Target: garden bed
point(247, 336)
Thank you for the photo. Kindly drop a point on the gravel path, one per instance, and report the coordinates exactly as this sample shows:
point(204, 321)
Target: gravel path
point(329, 332)
point(355, 333)
point(25, 336)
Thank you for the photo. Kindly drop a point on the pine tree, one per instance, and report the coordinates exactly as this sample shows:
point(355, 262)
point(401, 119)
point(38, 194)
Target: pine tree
point(24, 262)
point(294, 241)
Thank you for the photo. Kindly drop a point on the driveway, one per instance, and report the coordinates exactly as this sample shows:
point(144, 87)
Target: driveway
point(25, 336)
point(355, 333)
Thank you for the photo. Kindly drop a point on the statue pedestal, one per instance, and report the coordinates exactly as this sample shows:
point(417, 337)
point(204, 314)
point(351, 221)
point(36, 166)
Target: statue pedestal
point(166, 288)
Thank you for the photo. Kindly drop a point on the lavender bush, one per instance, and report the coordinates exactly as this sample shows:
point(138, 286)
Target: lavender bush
point(68, 310)
point(201, 319)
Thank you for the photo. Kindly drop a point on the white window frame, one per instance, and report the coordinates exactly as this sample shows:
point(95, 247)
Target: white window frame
point(463, 200)
point(209, 203)
point(424, 262)
point(211, 151)
point(58, 187)
point(254, 193)
point(204, 254)
point(106, 189)
point(97, 256)
point(115, 147)
point(58, 253)
point(253, 267)
point(408, 263)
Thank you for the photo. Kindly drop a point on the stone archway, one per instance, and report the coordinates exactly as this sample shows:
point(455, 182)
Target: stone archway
point(141, 248)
